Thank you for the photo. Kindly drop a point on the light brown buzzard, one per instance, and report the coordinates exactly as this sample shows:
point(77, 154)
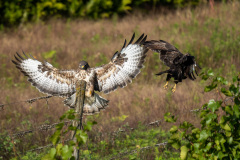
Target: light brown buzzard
point(123, 67)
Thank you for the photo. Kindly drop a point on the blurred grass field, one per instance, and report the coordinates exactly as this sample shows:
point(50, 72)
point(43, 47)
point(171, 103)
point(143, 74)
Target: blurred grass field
point(212, 36)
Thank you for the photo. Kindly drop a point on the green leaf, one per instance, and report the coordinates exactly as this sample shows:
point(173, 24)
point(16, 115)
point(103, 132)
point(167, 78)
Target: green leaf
point(221, 155)
point(213, 105)
point(230, 140)
point(227, 127)
point(205, 77)
point(210, 72)
point(219, 78)
point(63, 117)
point(203, 135)
point(55, 137)
point(167, 114)
point(71, 111)
point(223, 120)
point(59, 126)
point(208, 147)
point(59, 148)
point(175, 136)
point(169, 118)
point(210, 87)
point(173, 129)
point(71, 116)
point(229, 110)
point(222, 80)
point(81, 137)
point(72, 128)
point(184, 151)
point(46, 157)
point(228, 134)
point(233, 89)
point(66, 152)
point(49, 54)
point(226, 92)
point(176, 144)
point(234, 151)
point(52, 152)
point(88, 125)
point(195, 130)
point(210, 118)
point(204, 112)
point(236, 110)
point(222, 140)
point(185, 125)
point(235, 78)
point(225, 82)
point(196, 146)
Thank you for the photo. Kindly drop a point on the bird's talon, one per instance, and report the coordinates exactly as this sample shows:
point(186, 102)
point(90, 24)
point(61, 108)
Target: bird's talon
point(165, 86)
point(174, 88)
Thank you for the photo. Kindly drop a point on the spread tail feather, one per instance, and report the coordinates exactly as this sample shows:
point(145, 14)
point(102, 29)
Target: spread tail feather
point(91, 104)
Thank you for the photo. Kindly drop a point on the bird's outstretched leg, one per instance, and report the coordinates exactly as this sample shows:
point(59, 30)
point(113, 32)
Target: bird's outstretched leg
point(167, 79)
point(174, 88)
point(166, 85)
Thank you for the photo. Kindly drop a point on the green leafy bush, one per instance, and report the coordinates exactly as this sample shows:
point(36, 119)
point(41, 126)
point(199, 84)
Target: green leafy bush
point(18, 11)
point(63, 150)
point(219, 135)
point(6, 147)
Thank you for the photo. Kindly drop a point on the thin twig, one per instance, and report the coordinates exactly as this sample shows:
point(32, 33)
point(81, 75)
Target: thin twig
point(28, 101)
point(197, 110)
point(42, 147)
point(44, 127)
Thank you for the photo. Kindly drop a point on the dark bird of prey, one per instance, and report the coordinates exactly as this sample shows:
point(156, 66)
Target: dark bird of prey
point(123, 67)
point(180, 66)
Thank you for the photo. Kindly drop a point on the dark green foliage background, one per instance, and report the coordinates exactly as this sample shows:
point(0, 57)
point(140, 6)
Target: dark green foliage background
point(15, 12)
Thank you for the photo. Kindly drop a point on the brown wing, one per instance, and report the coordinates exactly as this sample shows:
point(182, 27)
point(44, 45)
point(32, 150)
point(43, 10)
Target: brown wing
point(167, 52)
point(123, 67)
point(45, 77)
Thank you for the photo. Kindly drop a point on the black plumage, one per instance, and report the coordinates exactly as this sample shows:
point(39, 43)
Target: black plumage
point(180, 66)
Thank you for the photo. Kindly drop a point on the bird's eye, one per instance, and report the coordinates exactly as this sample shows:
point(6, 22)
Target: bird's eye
point(82, 66)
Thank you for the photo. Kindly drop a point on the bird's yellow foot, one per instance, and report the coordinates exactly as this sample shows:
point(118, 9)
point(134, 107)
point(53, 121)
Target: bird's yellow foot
point(166, 85)
point(174, 88)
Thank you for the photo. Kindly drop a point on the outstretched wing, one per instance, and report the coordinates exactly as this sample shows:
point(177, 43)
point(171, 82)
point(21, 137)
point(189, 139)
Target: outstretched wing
point(45, 77)
point(123, 67)
point(169, 54)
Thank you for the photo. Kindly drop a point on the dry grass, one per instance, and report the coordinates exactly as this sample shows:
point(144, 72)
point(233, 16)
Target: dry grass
point(96, 41)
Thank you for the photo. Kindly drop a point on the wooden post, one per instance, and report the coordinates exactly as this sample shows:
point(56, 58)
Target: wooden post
point(79, 104)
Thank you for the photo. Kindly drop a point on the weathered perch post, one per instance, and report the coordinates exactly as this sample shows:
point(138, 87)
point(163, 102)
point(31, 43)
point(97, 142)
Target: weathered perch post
point(80, 96)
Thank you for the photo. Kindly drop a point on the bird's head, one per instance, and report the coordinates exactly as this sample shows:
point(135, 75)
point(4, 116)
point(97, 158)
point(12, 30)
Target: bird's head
point(190, 59)
point(83, 65)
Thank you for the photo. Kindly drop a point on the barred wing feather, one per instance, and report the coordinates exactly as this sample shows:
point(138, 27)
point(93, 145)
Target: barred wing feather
point(45, 77)
point(124, 66)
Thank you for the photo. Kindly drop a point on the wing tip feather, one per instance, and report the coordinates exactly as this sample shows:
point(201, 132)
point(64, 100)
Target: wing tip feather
point(139, 39)
point(133, 36)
